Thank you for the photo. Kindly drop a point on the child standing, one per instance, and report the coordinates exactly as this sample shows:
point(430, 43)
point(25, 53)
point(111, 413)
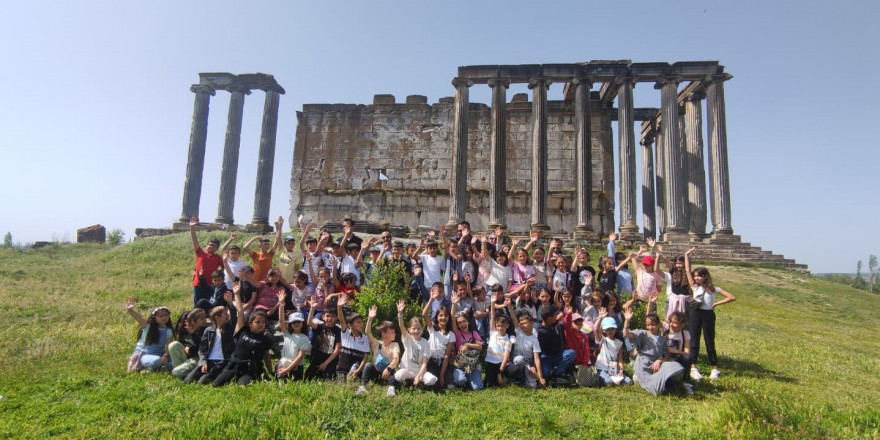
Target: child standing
point(498, 349)
point(703, 317)
point(207, 261)
point(154, 335)
point(262, 260)
point(326, 345)
point(441, 340)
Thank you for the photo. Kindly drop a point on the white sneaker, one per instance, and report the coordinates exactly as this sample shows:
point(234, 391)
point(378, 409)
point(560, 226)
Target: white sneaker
point(715, 374)
point(361, 391)
point(695, 374)
point(391, 391)
point(688, 388)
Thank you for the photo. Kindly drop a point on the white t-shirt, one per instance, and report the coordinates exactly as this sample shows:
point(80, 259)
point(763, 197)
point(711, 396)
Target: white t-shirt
point(299, 298)
point(438, 342)
point(316, 261)
point(348, 266)
point(706, 299)
point(526, 345)
point(293, 343)
point(433, 268)
point(236, 268)
point(361, 344)
point(498, 345)
point(608, 355)
point(414, 352)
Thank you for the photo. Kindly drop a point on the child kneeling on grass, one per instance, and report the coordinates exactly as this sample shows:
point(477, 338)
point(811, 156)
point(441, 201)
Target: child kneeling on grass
point(386, 354)
point(215, 348)
point(184, 351)
point(154, 335)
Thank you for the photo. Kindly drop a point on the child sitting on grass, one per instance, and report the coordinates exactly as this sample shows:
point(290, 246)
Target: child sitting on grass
point(252, 345)
point(386, 354)
point(609, 363)
point(414, 365)
point(296, 343)
point(184, 351)
point(154, 335)
point(215, 348)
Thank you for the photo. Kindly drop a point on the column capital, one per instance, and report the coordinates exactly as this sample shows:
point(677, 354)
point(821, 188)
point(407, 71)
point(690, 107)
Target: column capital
point(533, 82)
point(462, 82)
point(239, 89)
point(666, 80)
point(620, 80)
point(647, 139)
point(718, 77)
point(499, 82)
point(202, 89)
point(277, 89)
point(697, 95)
point(584, 79)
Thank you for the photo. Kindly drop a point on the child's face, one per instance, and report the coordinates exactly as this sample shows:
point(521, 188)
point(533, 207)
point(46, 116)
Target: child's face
point(609, 264)
point(396, 251)
point(357, 325)
point(652, 326)
point(339, 251)
point(610, 333)
point(432, 251)
point(550, 320)
point(560, 263)
point(234, 254)
point(501, 326)
point(435, 290)
point(612, 302)
point(324, 276)
point(411, 251)
point(258, 324)
point(679, 265)
point(329, 319)
point(481, 295)
point(566, 298)
point(296, 327)
point(526, 324)
point(217, 281)
point(313, 246)
point(198, 323)
point(596, 301)
point(299, 283)
point(162, 317)
point(583, 259)
point(442, 318)
point(522, 257)
point(501, 259)
point(211, 248)
point(577, 324)
point(289, 245)
point(462, 323)
point(388, 334)
point(676, 325)
point(462, 291)
point(415, 330)
point(538, 255)
point(505, 249)
point(264, 246)
point(544, 297)
point(221, 319)
point(698, 278)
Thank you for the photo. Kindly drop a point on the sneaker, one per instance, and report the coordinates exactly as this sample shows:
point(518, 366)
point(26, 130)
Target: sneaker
point(688, 388)
point(391, 392)
point(361, 391)
point(695, 374)
point(715, 374)
point(450, 387)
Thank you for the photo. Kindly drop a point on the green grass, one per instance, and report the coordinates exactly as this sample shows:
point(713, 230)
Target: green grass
point(798, 354)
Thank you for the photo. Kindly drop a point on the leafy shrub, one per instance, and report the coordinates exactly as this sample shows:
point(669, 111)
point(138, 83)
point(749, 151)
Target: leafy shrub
point(115, 237)
point(386, 284)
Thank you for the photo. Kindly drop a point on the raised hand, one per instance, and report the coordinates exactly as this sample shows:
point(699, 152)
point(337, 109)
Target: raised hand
point(443, 230)
point(343, 300)
point(612, 236)
point(627, 313)
point(130, 303)
point(193, 221)
point(313, 303)
point(691, 250)
point(227, 296)
point(515, 243)
point(282, 295)
point(233, 235)
point(659, 248)
point(467, 277)
point(236, 287)
point(455, 298)
point(401, 305)
point(439, 295)
point(374, 310)
point(299, 219)
point(650, 241)
point(533, 237)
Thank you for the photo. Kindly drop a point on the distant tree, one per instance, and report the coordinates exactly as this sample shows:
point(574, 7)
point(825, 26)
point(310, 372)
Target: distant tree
point(115, 237)
point(7, 239)
point(859, 280)
point(874, 270)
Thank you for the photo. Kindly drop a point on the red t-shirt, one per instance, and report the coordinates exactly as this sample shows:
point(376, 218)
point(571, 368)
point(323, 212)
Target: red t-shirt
point(205, 265)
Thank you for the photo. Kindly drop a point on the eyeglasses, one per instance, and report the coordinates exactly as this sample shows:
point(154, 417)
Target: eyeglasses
point(386, 237)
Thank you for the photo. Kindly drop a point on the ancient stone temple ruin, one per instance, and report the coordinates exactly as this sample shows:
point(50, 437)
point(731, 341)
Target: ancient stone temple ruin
point(533, 165)
point(238, 86)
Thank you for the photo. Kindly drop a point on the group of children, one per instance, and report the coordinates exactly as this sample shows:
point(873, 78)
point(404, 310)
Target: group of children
point(492, 314)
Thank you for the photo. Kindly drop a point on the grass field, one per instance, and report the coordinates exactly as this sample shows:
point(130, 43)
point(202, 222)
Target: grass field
point(799, 357)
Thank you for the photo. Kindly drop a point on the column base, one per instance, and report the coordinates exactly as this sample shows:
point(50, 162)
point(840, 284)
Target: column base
point(631, 233)
point(585, 232)
point(181, 226)
point(224, 221)
point(259, 228)
point(724, 238)
point(493, 225)
point(541, 229)
point(699, 236)
point(675, 237)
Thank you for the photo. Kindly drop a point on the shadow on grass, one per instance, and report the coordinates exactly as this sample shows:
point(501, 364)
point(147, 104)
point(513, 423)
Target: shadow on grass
point(747, 368)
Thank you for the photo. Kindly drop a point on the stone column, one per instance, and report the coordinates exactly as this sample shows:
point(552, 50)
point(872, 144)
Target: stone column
point(648, 208)
point(458, 190)
point(629, 230)
point(696, 172)
point(263, 193)
point(195, 163)
point(659, 181)
point(498, 159)
point(583, 159)
point(674, 206)
point(683, 167)
point(719, 187)
point(229, 172)
point(539, 88)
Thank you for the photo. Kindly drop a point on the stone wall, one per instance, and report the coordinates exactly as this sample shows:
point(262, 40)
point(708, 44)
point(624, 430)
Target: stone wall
point(343, 152)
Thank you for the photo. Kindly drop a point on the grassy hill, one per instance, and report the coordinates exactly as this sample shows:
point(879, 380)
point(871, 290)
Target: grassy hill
point(798, 354)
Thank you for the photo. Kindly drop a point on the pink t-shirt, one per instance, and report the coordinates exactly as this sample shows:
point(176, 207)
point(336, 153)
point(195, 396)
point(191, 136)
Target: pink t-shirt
point(267, 296)
point(521, 273)
point(648, 284)
point(466, 338)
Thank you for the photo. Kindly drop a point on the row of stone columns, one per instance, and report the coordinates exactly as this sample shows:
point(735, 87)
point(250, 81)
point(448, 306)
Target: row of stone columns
point(673, 175)
point(498, 156)
point(228, 175)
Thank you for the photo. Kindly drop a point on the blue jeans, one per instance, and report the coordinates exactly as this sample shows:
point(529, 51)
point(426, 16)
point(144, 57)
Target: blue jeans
point(554, 365)
point(606, 378)
point(474, 379)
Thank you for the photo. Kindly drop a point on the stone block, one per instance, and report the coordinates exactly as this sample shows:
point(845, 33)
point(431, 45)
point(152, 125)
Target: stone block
point(416, 99)
point(92, 234)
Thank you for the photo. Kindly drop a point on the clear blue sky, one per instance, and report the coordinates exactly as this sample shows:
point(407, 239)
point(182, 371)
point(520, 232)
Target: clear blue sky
point(96, 108)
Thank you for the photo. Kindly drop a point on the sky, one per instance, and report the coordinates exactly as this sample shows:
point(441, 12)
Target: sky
point(96, 113)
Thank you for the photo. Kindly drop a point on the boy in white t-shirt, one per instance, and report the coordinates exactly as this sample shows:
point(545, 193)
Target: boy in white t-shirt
point(526, 363)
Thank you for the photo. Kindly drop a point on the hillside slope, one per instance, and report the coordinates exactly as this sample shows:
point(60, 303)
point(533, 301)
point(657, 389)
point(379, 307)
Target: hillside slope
point(798, 354)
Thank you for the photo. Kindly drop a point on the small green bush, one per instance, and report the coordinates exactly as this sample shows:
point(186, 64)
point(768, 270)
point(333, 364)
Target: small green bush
point(387, 283)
